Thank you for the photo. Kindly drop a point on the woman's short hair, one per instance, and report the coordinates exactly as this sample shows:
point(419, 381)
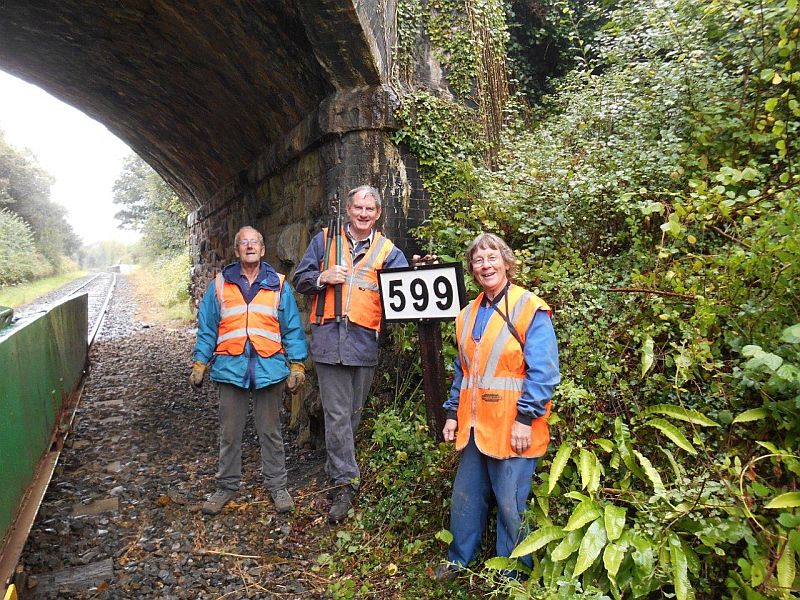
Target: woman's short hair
point(493, 242)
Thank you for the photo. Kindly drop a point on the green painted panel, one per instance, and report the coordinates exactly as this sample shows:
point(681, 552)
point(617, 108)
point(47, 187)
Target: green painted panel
point(41, 361)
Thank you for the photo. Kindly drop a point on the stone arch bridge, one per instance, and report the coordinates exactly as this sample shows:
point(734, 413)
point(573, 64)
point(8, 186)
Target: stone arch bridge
point(254, 111)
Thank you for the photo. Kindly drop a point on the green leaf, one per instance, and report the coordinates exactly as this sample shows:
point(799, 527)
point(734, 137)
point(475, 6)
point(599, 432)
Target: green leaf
point(789, 520)
point(590, 468)
point(672, 226)
point(614, 517)
point(444, 536)
point(680, 575)
point(760, 359)
point(647, 355)
point(585, 511)
point(787, 500)
point(500, 563)
point(591, 546)
point(652, 207)
point(676, 469)
point(575, 495)
point(623, 438)
point(680, 413)
point(567, 546)
point(754, 414)
point(538, 539)
point(605, 444)
point(612, 558)
point(652, 474)
point(791, 335)
point(559, 462)
point(786, 571)
point(769, 446)
point(673, 433)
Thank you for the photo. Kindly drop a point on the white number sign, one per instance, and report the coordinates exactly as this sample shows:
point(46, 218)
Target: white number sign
point(428, 292)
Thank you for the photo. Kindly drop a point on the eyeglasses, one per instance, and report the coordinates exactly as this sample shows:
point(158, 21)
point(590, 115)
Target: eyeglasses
point(492, 260)
point(249, 242)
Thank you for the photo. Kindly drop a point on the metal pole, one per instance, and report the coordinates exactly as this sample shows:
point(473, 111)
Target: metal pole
point(337, 289)
point(321, 299)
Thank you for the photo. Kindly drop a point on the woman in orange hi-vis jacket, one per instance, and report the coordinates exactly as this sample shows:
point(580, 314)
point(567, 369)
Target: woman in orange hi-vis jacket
point(505, 374)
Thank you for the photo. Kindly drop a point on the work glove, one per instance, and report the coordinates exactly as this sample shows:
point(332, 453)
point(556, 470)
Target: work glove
point(297, 376)
point(196, 377)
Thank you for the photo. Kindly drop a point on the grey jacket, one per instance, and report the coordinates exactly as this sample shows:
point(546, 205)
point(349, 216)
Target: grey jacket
point(342, 343)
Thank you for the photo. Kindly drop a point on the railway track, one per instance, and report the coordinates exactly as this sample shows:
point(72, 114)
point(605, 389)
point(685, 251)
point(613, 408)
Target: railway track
point(98, 286)
point(52, 422)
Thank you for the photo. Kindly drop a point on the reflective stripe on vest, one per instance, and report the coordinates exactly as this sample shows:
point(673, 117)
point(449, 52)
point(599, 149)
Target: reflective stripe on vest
point(494, 374)
point(239, 321)
point(361, 302)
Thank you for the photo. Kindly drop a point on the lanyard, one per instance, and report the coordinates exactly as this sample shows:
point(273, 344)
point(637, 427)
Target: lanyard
point(512, 330)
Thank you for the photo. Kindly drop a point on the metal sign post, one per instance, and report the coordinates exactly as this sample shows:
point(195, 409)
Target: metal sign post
point(427, 295)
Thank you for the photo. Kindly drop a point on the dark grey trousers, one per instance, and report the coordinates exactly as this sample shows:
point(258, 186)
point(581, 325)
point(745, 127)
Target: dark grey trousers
point(234, 403)
point(343, 390)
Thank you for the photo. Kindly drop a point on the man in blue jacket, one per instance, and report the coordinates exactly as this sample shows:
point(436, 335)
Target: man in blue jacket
point(250, 335)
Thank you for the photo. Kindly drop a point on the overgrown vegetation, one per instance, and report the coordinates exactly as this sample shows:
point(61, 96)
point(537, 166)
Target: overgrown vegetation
point(654, 204)
point(166, 281)
point(35, 238)
point(151, 207)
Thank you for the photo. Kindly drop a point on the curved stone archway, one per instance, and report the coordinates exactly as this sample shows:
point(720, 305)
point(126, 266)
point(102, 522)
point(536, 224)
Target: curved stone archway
point(199, 90)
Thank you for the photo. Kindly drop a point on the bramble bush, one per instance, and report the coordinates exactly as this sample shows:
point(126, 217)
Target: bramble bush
point(654, 205)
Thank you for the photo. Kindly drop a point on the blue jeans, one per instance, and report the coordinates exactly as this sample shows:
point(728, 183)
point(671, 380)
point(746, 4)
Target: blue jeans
point(478, 477)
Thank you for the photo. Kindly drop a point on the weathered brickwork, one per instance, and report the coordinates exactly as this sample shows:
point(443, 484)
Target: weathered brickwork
point(289, 206)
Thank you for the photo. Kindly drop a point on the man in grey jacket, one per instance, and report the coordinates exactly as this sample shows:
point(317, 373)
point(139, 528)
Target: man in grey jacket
point(344, 331)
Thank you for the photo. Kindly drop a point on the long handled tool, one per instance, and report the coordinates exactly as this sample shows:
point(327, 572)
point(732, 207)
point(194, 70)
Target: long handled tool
point(337, 289)
point(329, 239)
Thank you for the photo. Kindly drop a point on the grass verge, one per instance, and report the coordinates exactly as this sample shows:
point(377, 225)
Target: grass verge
point(165, 283)
point(17, 295)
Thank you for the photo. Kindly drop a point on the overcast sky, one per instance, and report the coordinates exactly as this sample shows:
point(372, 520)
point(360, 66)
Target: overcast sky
point(81, 154)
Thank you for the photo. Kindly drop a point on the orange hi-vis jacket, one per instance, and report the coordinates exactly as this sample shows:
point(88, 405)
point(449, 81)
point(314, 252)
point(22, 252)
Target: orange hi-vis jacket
point(240, 321)
point(361, 301)
point(494, 371)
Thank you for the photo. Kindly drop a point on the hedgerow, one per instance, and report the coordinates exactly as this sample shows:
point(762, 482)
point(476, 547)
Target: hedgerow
point(654, 205)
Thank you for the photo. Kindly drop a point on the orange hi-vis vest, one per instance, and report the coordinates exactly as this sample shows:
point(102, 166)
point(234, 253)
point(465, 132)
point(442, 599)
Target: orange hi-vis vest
point(361, 301)
point(240, 321)
point(494, 372)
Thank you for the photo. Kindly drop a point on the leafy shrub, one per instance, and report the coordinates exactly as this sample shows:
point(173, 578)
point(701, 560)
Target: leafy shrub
point(655, 206)
point(166, 280)
point(20, 260)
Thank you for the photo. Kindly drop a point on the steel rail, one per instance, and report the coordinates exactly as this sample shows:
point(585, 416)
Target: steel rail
point(103, 310)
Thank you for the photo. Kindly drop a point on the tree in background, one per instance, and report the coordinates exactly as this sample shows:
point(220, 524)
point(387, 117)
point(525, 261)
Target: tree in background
point(25, 193)
point(105, 253)
point(151, 207)
point(17, 262)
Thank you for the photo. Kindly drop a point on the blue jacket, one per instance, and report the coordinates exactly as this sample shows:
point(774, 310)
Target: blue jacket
point(249, 370)
point(339, 343)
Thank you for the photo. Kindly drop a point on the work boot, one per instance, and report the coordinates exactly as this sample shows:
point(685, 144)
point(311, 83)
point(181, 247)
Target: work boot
point(342, 503)
point(218, 500)
point(283, 501)
point(445, 572)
